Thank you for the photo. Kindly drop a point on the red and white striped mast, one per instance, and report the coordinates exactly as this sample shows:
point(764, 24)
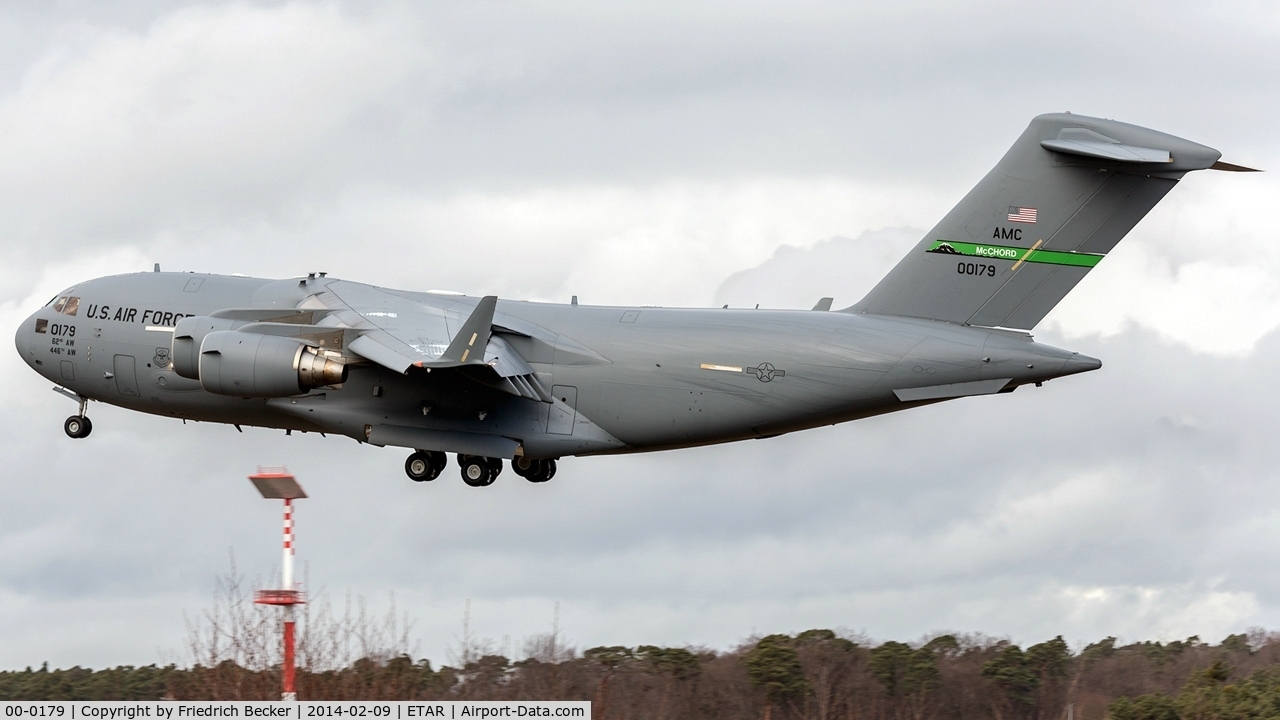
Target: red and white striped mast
point(275, 483)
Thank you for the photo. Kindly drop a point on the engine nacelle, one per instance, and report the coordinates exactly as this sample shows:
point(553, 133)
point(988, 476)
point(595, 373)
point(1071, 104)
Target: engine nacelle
point(188, 335)
point(251, 365)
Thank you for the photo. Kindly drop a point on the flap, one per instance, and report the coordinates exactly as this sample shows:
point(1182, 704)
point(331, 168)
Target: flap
point(500, 366)
point(510, 373)
point(952, 390)
point(381, 348)
point(504, 359)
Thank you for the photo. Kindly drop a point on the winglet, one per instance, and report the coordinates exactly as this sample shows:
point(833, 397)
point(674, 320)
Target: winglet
point(1231, 168)
point(471, 340)
point(824, 304)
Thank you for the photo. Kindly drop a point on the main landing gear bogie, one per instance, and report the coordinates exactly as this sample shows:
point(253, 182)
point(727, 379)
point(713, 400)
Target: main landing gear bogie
point(535, 471)
point(477, 470)
point(425, 465)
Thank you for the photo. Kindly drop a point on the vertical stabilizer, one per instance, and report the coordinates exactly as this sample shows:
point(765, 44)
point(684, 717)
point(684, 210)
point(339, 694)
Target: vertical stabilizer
point(1066, 192)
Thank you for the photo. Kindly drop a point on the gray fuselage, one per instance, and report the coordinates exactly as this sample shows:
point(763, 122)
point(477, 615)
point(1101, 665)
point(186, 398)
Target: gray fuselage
point(623, 379)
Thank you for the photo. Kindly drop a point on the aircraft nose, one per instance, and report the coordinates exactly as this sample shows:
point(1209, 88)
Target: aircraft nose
point(1078, 363)
point(22, 339)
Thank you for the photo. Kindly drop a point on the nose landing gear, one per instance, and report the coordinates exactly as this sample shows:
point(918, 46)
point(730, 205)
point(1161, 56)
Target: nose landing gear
point(77, 426)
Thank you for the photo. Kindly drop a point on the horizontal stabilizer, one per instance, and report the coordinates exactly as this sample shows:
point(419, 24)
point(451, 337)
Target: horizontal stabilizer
point(1108, 150)
point(952, 390)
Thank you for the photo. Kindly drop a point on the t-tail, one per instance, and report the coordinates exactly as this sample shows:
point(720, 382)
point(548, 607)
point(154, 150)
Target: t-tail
point(1053, 207)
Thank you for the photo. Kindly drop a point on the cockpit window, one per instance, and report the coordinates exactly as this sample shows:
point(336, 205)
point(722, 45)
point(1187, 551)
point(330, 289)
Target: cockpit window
point(67, 305)
point(50, 301)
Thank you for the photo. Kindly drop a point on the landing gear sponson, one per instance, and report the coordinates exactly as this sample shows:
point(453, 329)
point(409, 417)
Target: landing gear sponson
point(477, 471)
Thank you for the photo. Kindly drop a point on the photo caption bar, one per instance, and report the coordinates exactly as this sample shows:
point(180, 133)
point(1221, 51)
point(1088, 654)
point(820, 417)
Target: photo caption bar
point(299, 710)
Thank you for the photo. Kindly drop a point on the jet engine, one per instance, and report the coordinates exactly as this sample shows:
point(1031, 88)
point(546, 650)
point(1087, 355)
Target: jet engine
point(188, 335)
point(245, 364)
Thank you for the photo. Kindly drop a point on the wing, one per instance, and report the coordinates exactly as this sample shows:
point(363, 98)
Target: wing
point(402, 333)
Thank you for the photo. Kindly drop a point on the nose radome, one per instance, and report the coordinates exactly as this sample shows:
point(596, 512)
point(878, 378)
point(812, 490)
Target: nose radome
point(1078, 363)
point(22, 338)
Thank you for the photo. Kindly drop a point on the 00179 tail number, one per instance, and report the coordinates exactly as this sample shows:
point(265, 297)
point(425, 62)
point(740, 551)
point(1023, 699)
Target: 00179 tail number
point(976, 269)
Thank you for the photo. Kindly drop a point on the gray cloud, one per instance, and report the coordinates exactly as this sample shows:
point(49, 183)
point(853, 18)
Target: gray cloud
point(687, 154)
point(841, 268)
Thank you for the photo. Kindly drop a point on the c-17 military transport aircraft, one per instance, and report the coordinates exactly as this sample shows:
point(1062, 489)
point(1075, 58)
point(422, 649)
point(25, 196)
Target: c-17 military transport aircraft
point(492, 379)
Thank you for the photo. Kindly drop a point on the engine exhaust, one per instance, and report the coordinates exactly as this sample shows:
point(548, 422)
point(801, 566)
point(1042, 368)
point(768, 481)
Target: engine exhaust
point(316, 370)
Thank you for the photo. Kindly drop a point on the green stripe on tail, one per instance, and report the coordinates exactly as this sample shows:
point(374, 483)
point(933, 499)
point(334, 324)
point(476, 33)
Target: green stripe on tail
point(1014, 254)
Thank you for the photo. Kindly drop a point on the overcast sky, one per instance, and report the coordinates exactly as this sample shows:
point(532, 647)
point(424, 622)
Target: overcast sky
point(683, 153)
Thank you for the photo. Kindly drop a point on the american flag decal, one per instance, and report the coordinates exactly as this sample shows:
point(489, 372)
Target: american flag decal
point(1022, 214)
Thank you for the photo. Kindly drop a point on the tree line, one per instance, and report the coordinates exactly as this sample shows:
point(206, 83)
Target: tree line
point(817, 674)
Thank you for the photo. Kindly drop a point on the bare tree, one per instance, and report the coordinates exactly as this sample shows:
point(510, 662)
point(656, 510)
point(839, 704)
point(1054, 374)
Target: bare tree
point(236, 648)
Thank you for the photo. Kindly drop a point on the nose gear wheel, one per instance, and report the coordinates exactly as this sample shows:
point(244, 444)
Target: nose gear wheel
point(78, 426)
